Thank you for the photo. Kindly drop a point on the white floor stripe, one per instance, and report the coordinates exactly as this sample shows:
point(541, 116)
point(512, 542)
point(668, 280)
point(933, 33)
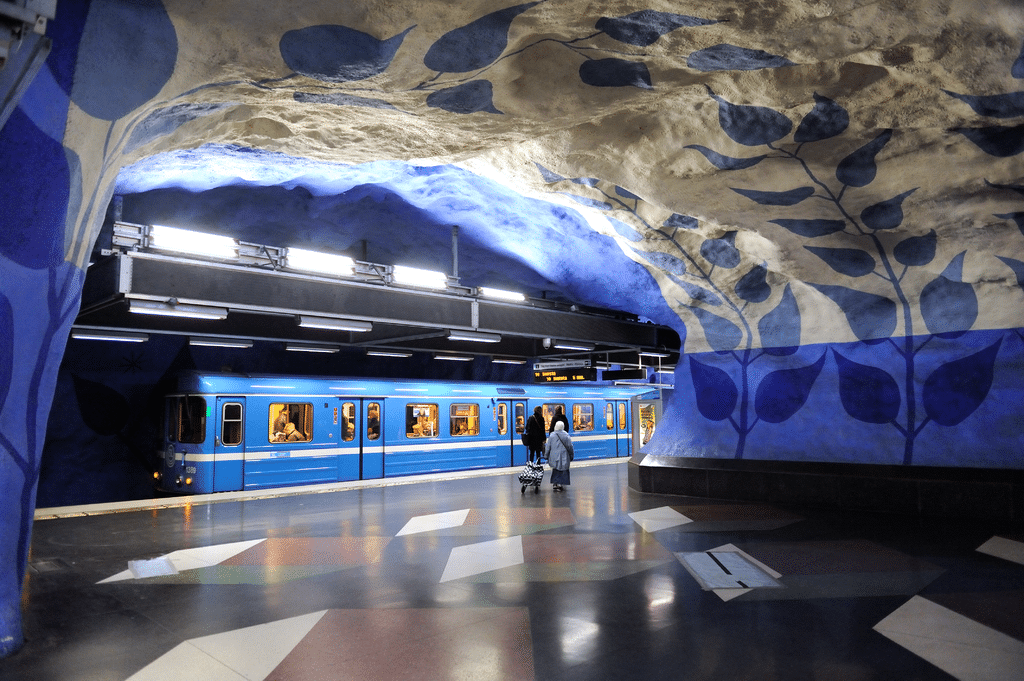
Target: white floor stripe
point(1007, 549)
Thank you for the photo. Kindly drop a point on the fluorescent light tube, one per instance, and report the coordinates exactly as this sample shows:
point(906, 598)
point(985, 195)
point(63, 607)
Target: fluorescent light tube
point(497, 360)
point(387, 353)
point(323, 263)
point(219, 342)
point(412, 276)
point(474, 336)
point(196, 243)
point(122, 336)
point(501, 294)
point(569, 345)
point(454, 358)
point(334, 324)
point(175, 310)
point(299, 347)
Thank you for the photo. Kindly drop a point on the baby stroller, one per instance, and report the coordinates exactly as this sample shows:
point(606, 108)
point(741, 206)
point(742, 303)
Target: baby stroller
point(531, 476)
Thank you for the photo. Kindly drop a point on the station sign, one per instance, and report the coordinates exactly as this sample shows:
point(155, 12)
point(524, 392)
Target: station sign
point(564, 364)
point(623, 374)
point(564, 375)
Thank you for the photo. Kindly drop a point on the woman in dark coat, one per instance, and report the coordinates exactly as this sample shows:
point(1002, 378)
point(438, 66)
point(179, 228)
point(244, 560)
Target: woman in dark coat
point(535, 435)
point(558, 450)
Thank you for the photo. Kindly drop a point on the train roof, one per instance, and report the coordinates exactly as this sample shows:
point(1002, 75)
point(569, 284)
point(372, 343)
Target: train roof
point(274, 384)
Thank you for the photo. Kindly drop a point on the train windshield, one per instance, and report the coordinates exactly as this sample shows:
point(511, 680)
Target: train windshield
point(190, 412)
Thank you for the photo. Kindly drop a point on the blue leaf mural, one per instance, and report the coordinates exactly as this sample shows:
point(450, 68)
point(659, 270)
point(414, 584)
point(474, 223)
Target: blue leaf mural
point(1012, 187)
point(475, 45)
point(681, 221)
point(1018, 268)
point(999, 141)
point(626, 194)
point(1009, 105)
point(721, 334)
point(613, 72)
point(342, 99)
point(753, 286)
point(1018, 219)
point(1017, 70)
point(751, 126)
point(811, 228)
point(603, 205)
point(869, 315)
point(948, 304)
point(957, 388)
point(713, 390)
point(786, 198)
point(886, 214)
point(622, 228)
point(698, 293)
point(721, 252)
point(781, 393)
point(6, 347)
point(780, 328)
point(726, 162)
point(827, 119)
point(338, 54)
point(549, 177)
point(916, 251)
point(646, 26)
point(168, 119)
point(467, 98)
point(725, 57)
point(665, 261)
point(852, 262)
point(868, 393)
point(586, 181)
point(109, 88)
point(859, 168)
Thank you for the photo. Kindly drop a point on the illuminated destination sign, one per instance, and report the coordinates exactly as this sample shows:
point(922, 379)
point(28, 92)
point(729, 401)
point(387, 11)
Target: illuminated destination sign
point(565, 364)
point(564, 375)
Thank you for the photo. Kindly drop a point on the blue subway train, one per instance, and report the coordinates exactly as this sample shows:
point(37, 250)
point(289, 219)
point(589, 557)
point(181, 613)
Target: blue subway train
point(227, 432)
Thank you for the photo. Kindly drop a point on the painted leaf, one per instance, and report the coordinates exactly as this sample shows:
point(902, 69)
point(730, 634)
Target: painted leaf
point(1018, 269)
point(721, 252)
point(549, 177)
point(726, 162)
point(586, 181)
point(683, 221)
point(625, 230)
point(168, 119)
point(713, 390)
point(781, 393)
point(852, 262)
point(811, 228)
point(948, 304)
point(1018, 218)
point(1012, 187)
point(999, 141)
point(787, 198)
point(475, 45)
point(859, 168)
point(338, 54)
point(103, 409)
point(886, 214)
point(467, 98)
point(594, 203)
point(1009, 105)
point(868, 393)
point(751, 126)
point(7, 349)
point(698, 293)
point(869, 315)
point(1017, 70)
point(665, 261)
point(342, 99)
point(916, 251)
point(753, 286)
point(626, 194)
point(614, 72)
point(780, 328)
point(646, 26)
point(720, 333)
point(957, 388)
point(827, 119)
point(725, 57)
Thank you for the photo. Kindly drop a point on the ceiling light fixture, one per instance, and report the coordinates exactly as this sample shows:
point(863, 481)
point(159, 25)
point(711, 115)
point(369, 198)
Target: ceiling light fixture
point(501, 294)
point(211, 342)
point(171, 308)
point(322, 263)
point(302, 347)
point(195, 243)
point(454, 358)
point(332, 324)
point(475, 336)
point(412, 276)
point(500, 360)
point(572, 345)
point(387, 353)
point(661, 355)
point(121, 336)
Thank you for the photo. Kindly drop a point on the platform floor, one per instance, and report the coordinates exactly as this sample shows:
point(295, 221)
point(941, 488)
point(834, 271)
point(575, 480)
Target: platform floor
point(467, 578)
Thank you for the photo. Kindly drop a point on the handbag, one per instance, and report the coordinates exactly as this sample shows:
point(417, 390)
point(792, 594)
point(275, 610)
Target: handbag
point(526, 441)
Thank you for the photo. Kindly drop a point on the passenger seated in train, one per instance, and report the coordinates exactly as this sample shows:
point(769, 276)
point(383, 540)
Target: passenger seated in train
point(289, 434)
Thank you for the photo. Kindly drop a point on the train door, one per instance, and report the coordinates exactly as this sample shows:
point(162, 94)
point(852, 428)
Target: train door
point(371, 460)
point(623, 432)
point(520, 452)
point(506, 432)
point(228, 448)
point(347, 420)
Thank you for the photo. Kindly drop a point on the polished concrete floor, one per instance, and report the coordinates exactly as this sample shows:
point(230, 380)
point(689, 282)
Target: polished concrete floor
point(468, 578)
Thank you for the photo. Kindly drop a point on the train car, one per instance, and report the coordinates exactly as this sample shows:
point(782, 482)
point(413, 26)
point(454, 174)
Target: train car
point(227, 432)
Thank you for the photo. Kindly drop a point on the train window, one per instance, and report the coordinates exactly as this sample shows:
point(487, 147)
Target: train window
point(465, 419)
point(290, 422)
point(582, 417)
point(501, 413)
point(520, 418)
point(609, 417)
point(373, 421)
point(231, 424)
point(421, 420)
point(191, 419)
point(549, 413)
point(348, 422)
point(622, 416)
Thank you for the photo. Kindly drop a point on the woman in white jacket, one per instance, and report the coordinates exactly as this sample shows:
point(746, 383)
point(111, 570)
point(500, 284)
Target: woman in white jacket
point(558, 452)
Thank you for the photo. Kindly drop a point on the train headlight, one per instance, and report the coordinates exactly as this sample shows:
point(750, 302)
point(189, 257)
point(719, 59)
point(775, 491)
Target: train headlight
point(188, 481)
point(177, 481)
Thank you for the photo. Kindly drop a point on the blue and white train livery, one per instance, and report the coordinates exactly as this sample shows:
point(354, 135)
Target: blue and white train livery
point(239, 432)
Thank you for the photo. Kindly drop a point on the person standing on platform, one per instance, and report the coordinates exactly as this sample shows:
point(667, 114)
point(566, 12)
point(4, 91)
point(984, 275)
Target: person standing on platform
point(558, 450)
point(559, 417)
point(535, 434)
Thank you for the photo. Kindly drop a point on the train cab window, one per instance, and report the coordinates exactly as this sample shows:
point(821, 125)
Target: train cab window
point(609, 417)
point(348, 422)
point(622, 416)
point(191, 418)
point(520, 418)
point(373, 421)
point(421, 420)
point(290, 422)
point(231, 424)
point(501, 414)
point(465, 419)
point(582, 417)
point(549, 413)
